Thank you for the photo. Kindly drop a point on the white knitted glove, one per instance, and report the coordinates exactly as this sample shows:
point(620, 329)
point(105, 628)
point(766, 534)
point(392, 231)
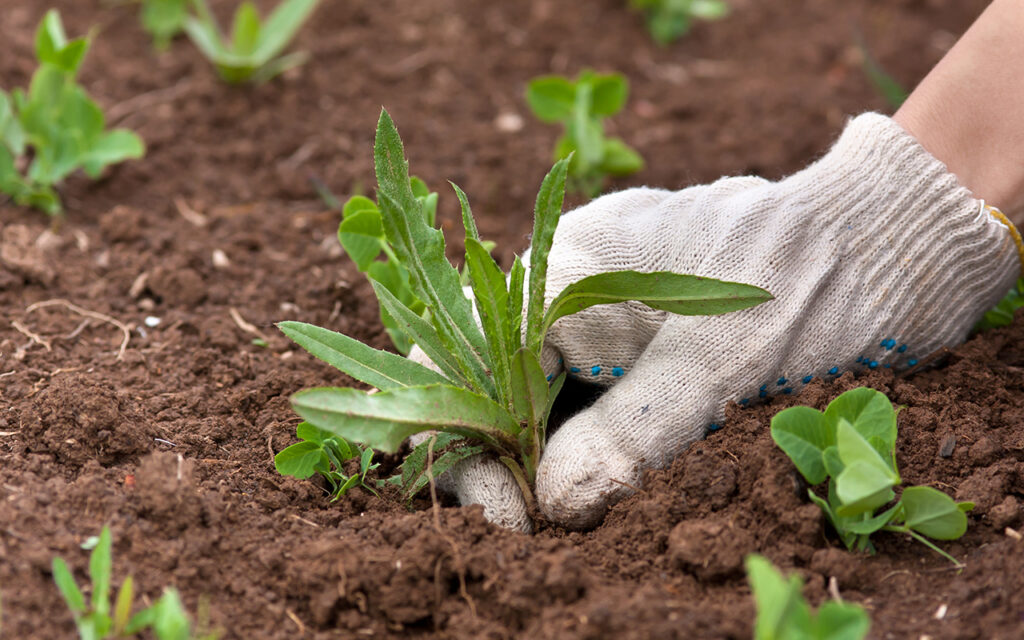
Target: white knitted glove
point(875, 255)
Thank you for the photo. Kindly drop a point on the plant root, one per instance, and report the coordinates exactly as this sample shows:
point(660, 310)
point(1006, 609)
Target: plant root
point(88, 314)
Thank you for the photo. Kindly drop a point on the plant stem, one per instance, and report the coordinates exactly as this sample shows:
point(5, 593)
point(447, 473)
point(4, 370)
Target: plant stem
point(916, 536)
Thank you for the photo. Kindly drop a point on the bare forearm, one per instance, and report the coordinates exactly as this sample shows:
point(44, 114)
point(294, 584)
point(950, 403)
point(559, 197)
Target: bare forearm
point(969, 111)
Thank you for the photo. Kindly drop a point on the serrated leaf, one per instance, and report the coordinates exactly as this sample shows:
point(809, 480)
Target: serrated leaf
point(802, 434)
point(364, 363)
point(422, 333)
point(421, 250)
point(546, 213)
point(384, 420)
point(932, 513)
point(677, 293)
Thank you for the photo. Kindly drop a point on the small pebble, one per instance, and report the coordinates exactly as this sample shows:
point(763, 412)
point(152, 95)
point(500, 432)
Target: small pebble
point(152, 321)
point(948, 444)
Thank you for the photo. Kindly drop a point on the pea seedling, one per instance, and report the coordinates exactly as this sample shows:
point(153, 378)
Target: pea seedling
point(55, 128)
point(490, 388)
point(322, 452)
point(853, 445)
point(253, 52)
point(669, 20)
point(95, 620)
point(163, 19)
point(1001, 315)
point(783, 614)
point(581, 106)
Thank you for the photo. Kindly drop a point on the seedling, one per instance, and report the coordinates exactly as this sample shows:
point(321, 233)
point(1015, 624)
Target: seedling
point(96, 620)
point(669, 20)
point(490, 388)
point(581, 106)
point(887, 86)
point(783, 614)
point(853, 445)
point(253, 52)
point(323, 452)
point(1001, 315)
point(55, 128)
point(164, 19)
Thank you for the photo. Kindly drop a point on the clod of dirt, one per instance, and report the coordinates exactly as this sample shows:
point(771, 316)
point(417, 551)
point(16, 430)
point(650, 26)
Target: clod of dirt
point(710, 549)
point(181, 287)
point(122, 224)
point(77, 419)
point(852, 571)
point(20, 253)
point(1005, 514)
point(166, 490)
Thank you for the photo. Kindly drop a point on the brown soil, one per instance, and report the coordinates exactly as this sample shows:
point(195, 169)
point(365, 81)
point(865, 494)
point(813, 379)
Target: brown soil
point(171, 443)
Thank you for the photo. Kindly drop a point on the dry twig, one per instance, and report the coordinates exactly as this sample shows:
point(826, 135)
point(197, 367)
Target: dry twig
point(88, 314)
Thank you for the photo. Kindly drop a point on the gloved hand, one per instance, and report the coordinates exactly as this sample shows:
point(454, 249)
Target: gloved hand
point(875, 255)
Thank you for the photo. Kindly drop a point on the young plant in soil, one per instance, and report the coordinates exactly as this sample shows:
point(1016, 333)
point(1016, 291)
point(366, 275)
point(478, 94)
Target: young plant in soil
point(783, 614)
point(54, 128)
point(853, 445)
point(1001, 315)
point(163, 19)
point(252, 54)
point(95, 619)
point(325, 453)
point(581, 106)
point(669, 20)
point(489, 388)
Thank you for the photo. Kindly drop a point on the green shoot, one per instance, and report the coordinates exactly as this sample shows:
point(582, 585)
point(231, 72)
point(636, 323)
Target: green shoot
point(55, 128)
point(163, 19)
point(1001, 315)
point(853, 445)
point(252, 54)
point(783, 614)
point(581, 106)
point(669, 20)
point(325, 453)
point(489, 387)
point(95, 619)
point(887, 86)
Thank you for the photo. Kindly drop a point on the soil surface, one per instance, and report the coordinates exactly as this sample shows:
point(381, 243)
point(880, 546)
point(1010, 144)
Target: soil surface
point(132, 394)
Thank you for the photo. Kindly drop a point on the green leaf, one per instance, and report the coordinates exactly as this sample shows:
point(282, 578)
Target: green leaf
point(50, 39)
point(281, 26)
point(529, 387)
point(414, 469)
point(164, 19)
point(362, 237)
point(364, 363)
point(245, 31)
point(170, 622)
point(123, 606)
point(277, 66)
point(67, 586)
point(932, 513)
point(99, 572)
point(492, 305)
point(422, 333)
point(782, 613)
point(841, 621)
point(546, 213)
point(618, 159)
point(870, 413)
point(112, 147)
point(12, 136)
point(608, 94)
point(866, 481)
point(299, 460)
point(708, 9)
point(205, 35)
point(678, 293)
point(801, 432)
point(551, 98)
point(873, 524)
point(838, 523)
point(516, 279)
point(355, 204)
point(384, 420)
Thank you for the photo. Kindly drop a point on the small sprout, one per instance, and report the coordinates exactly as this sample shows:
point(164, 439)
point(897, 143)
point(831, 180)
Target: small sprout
point(581, 106)
point(489, 388)
point(783, 614)
point(55, 128)
point(252, 54)
point(669, 20)
point(325, 453)
point(884, 84)
point(163, 19)
point(853, 445)
point(259, 342)
point(95, 619)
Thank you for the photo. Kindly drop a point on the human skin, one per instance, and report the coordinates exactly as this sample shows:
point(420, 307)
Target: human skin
point(969, 110)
